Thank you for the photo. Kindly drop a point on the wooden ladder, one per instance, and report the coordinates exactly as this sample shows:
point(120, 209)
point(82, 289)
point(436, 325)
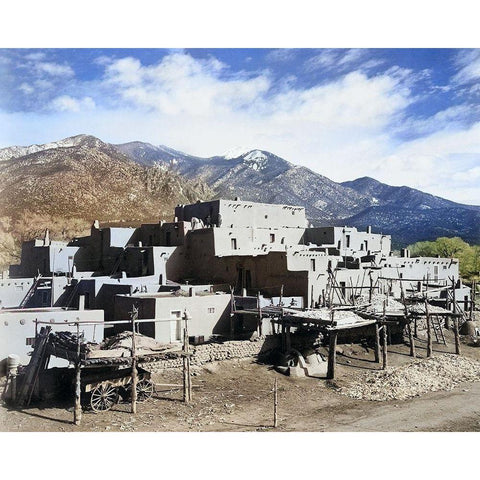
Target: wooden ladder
point(438, 329)
point(31, 291)
point(37, 363)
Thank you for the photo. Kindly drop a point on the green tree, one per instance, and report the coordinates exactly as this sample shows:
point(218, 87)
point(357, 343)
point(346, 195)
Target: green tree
point(455, 247)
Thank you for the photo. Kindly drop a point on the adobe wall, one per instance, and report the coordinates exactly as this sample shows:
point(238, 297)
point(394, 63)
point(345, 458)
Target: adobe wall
point(214, 352)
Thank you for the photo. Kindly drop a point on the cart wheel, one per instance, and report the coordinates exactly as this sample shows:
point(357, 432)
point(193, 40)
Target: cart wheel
point(144, 389)
point(103, 398)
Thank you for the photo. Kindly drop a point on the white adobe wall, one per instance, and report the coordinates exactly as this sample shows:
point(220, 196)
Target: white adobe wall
point(18, 325)
point(209, 314)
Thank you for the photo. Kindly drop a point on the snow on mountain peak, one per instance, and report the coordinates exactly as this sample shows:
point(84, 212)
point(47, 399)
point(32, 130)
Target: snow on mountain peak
point(236, 152)
point(256, 160)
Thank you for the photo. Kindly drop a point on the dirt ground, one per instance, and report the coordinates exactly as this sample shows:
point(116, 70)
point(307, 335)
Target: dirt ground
point(237, 395)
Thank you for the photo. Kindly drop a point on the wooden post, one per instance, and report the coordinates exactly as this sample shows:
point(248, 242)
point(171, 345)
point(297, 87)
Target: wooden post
point(447, 322)
point(384, 345)
point(411, 339)
point(453, 296)
point(275, 404)
point(429, 330)
point(371, 288)
point(134, 377)
point(332, 352)
point(77, 409)
point(457, 336)
point(187, 384)
point(260, 314)
point(377, 343)
point(472, 299)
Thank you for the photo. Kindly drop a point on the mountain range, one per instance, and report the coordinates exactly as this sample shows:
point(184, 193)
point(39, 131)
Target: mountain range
point(136, 180)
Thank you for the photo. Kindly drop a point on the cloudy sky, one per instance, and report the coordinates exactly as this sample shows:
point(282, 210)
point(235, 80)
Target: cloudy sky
point(406, 117)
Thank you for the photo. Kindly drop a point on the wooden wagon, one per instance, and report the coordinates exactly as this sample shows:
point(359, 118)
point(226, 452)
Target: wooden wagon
point(103, 387)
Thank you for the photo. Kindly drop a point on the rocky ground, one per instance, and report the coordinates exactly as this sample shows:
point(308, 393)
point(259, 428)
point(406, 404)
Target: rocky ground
point(237, 395)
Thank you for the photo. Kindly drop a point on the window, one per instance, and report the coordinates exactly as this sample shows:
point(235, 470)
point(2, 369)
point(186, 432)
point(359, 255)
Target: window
point(312, 264)
point(272, 238)
point(211, 309)
point(234, 243)
point(347, 239)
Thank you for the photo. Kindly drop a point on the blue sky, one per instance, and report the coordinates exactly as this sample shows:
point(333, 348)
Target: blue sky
point(403, 116)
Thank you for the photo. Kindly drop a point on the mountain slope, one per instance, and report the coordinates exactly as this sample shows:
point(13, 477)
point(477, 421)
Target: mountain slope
point(410, 215)
point(264, 177)
point(83, 176)
point(93, 180)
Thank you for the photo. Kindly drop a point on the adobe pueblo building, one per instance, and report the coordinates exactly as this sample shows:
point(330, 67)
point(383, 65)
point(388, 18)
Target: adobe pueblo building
point(232, 267)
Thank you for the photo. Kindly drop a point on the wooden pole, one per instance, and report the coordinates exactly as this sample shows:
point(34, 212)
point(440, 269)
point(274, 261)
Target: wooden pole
point(371, 288)
point(457, 336)
point(472, 299)
point(384, 347)
point(377, 343)
point(411, 340)
point(77, 409)
point(332, 351)
point(429, 330)
point(187, 384)
point(134, 379)
point(453, 296)
point(275, 404)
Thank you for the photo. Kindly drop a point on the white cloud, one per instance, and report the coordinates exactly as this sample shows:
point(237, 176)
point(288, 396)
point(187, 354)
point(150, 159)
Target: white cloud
point(54, 69)
point(180, 84)
point(36, 56)
point(26, 88)
point(468, 62)
point(65, 103)
point(342, 129)
point(340, 60)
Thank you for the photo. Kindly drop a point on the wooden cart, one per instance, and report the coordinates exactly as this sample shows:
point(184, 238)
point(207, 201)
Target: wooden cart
point(103, 387)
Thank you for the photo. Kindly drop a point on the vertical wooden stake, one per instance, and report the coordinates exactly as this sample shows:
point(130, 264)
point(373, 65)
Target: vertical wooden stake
point(429, 331)
point(187, 383)
point(411, 340)
point(332, 352)
point(134, 379)
point(77, 409)
point(275, 404)
point(472, 299)
point(457, 336)
point(377, 343)
point(371, 288)
point(384, 346)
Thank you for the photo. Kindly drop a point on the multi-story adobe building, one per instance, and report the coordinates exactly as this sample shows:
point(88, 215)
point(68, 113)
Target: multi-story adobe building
point(210, 249)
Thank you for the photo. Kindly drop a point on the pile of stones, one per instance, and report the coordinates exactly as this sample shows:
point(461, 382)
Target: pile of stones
point(442, 372)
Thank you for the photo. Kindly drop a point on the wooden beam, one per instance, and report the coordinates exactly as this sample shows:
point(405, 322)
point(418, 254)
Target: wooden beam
point(411, 340)
point(134, 377)
point(384, 345)
point(457, 336)
point(275, 404)
point(429, 331)
point(377, 343)
point(77, 409)
point(332, 353)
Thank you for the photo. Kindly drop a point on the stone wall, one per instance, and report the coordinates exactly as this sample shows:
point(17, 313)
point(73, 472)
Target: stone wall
point(214, 352)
